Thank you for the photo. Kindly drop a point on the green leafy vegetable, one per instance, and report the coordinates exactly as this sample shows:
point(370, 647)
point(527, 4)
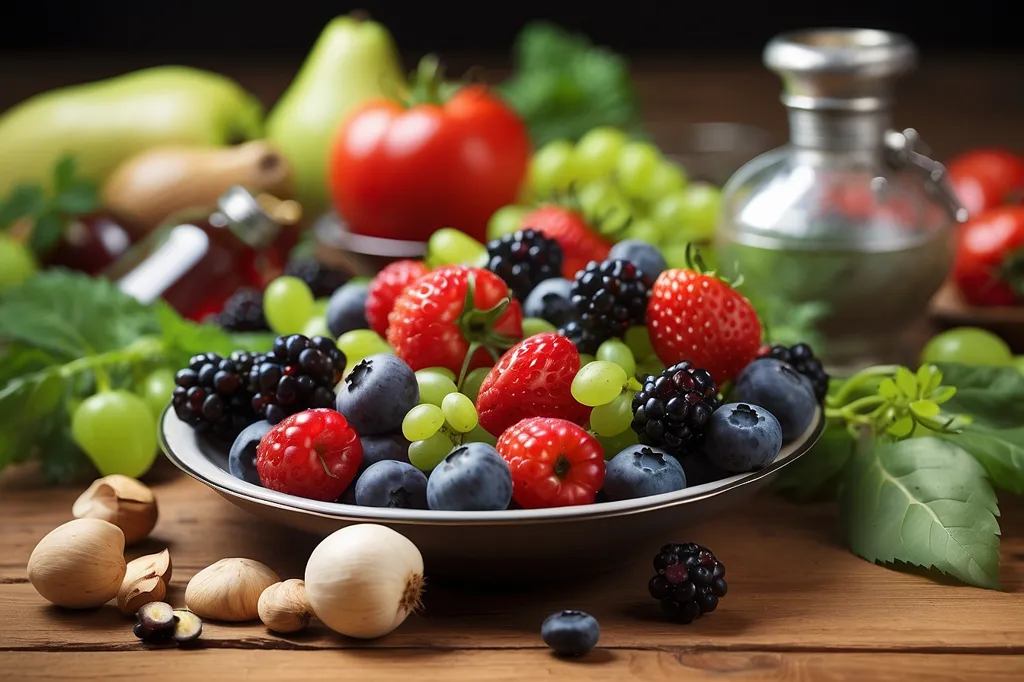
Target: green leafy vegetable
point(993, 396)
point(925, 502)
point(563, 85)
point(63, 336)
point(999, 451)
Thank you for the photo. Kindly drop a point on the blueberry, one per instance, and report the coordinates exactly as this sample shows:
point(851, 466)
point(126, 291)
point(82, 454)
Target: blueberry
point(646, 257)
point(346, 310)
point(242, 457)
point(551, 300)
point(742, 437)
point(473, 477)
point(377, 394)
point(778, 388)
point(392, 484)
point(639, 471)
point(570, 633)
point(393, 446)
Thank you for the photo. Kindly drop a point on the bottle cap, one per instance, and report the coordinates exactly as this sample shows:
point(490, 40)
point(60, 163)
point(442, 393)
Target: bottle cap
point(247, 219)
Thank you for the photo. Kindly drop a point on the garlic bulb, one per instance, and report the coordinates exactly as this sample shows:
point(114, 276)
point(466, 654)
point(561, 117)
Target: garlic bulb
point(229, 590)
point(284, 607)
point(364, 580)
point(79, 565)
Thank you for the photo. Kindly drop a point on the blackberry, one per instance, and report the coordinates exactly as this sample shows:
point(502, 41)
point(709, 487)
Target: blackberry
point(689, 581)
point(671, 409)
point(298, 374)
point(524, 259)
point(321, 279)
point(801, 358)
point(243, 312)
point(211, 394)
point(610, 297)
point(583, 337)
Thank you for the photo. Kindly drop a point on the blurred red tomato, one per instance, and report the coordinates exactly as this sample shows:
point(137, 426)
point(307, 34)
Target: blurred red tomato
point(989, 267)
point(986, 178)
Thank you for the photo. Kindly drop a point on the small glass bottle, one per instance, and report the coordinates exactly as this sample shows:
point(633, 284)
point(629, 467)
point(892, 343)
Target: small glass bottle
point(849, 214)
point(197, 261)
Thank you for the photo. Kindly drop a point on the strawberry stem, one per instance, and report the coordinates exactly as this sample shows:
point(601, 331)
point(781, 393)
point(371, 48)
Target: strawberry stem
point(470, 352)
point(696, 263)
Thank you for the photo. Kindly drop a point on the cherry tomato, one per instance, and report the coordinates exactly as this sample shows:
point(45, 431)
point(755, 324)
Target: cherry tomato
point(401, 173)
point(989, 266)
point(986, 178)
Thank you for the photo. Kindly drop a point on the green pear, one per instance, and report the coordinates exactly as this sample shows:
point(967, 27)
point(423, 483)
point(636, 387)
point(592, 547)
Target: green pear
point(353, 60)
point(105, 122)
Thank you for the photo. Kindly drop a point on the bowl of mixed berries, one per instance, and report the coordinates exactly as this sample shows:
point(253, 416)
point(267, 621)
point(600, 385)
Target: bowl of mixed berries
point(508, 414)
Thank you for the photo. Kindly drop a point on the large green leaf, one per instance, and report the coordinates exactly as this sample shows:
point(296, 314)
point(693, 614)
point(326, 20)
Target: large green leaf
point(1000, 451)
point(993, 396)
point(926, 502)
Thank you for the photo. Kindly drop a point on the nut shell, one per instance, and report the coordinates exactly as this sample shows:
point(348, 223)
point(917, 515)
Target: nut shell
point(145, 581)
point(283, 606)
point(79, 565)
point(124, 502)
point(229, 590)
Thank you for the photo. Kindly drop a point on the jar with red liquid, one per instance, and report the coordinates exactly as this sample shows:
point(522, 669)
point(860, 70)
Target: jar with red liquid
point(197, 261)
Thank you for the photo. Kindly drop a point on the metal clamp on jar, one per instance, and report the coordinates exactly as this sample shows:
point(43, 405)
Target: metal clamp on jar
point(850, 213)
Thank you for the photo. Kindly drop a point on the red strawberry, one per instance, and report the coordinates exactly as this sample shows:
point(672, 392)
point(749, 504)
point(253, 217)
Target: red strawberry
point(554, 463)
point(385, 288)
point(695, 316)
point(438, 317)
point(314, 454)
point(579, 241)
point(533, 379)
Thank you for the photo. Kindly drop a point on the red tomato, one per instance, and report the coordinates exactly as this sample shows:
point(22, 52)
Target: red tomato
point(401, 173)
point(989, 267)
point(985, 178)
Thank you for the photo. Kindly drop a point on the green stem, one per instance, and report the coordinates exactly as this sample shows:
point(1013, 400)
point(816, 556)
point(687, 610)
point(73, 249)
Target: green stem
point(143, 349)
point(473, 348)
point(871, 401)
point(858, 380)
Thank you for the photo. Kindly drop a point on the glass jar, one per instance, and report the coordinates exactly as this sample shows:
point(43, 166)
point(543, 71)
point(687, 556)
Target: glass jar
point(849, 214)
point(197, 261)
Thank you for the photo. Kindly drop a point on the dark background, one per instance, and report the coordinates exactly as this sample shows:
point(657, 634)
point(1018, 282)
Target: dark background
point(487, 28)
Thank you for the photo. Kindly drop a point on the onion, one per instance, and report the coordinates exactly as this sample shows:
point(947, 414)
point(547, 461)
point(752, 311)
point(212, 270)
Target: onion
point(364, 580)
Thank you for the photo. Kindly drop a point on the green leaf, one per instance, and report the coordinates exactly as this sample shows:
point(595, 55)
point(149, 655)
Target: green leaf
point(1000, 451)
point(925, 502)
point(64, 173)
point(902, 427)
point(993, 396)
point(929, 378)
point(79, 198)
point(942, 394)
point(906, 382)
point(46, 232)
point(23, 201)
point(924, 409)
point(816, 475)
point(887, 389)
point(185, 338)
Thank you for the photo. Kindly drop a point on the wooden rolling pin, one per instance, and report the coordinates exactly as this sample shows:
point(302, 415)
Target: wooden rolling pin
point(148, 188)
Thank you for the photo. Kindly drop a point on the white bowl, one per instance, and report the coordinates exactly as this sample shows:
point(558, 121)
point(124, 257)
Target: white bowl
point(496, 545)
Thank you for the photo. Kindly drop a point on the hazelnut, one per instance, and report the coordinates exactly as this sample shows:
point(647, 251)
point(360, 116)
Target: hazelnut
point(229, 590)
point(145, 581)
point(283, 606)
point(79, 565)
point(123, 501)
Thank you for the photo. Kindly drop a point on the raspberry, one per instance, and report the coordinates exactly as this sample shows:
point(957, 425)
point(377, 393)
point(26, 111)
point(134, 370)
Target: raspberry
point(610, 297)
point(801, 358)
point(689, 581)
point(210, 394)
point(313, 454)
point(299, 374)
point(386, 287)
point(671, 410)
point(243, 312)
point(524, 259)
point(321, 279)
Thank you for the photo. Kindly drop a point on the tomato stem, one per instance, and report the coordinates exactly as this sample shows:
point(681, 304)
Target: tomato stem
point(426, 83)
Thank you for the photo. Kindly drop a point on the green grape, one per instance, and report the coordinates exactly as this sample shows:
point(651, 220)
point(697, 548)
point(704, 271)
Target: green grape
point(427, 454)
point(459, 412)
point(422, 422)
point(506, 220)
point(638, 161)
point(597, 153)
point(317, 326)
point(619, 353)
point(586, 359)
point(552, 168)
point(676, 255)
point(668, 178)
point(1018, 362)
point(651, 365)
point(633, 384)
point(535, 325)
point(968, 346)
point(156, 389)
point(17, 263)
point(613, 418)
point(645, 230)
point(605, 202)
point(449, 246)
point(320, 307)
point(598, 383)
point(471, 384)
point(443, 371)
point(360, 343)
point(639, 342)
point(288, 305)
point(434, 386)
point(480, 435)
point(615, 444)
point(117, 430)
point(701, 206)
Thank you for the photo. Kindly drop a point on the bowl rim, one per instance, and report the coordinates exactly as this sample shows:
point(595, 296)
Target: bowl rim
point(175, 436)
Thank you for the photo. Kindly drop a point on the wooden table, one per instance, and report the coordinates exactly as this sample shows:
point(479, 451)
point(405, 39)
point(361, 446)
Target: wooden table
point(800, 606)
